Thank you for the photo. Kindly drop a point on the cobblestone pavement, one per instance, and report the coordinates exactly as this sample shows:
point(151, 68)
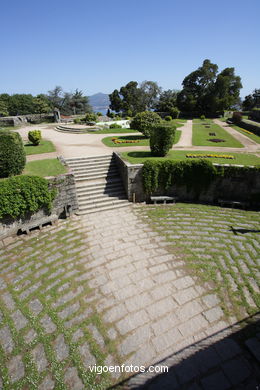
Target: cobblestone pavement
point(106, 288)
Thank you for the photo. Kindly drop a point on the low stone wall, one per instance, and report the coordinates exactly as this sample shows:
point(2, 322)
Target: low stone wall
point(23, 119)
point(64, 205)
point(236, 186)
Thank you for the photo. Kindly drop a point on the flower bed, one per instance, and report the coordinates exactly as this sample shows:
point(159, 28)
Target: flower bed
point(225, 156)
point(117, 141)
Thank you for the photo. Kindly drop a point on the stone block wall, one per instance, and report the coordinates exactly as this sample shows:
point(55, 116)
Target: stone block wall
point(237, 186)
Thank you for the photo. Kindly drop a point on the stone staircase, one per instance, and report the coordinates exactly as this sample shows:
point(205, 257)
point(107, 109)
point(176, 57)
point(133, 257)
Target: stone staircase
point(98, 182)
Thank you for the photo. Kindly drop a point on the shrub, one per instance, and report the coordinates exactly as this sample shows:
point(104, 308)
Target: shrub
point(250, 125)
point(90, 117)
point(35, 136)
point(115, 126)
point(202, 117)
point(143, 122)
point(24, 194)
point(77, 121)
point(237, 117)
point(194, 174)
point(99, 113)
point(174, 112)
point(12, 154)
point(161, 139)
point(168, 118)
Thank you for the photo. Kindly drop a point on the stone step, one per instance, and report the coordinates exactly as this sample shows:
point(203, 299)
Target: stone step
point(89, 165)
point(96, 170)
point(110, 181)
point(100, 190)
point(95, 176)
point(91, 158)
point(105, 208)
point(84, 198)
point(102, 206)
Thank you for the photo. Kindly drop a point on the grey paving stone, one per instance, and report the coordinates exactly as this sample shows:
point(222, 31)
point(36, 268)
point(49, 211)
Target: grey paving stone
point(112, 333)
point(96, 335)
point(30, 290)
point(6, 339)
point(184, 282)
point(79, 318)
point(215, 381)
point(165, 323)
point(30, 336)
point(61, 348)
point(47, 383)
point(77, 335)
point(15, 368)
point(68, 297)
point(132, 321)
point(213, 314)
point(194, 325)
point(72, 380)
point(189, 310)
point(161, 307)
point(69, 310)
point(166, 340)
point(143, 356)
point(210, 300)
point(135, 340)
point(115, 313)
point(35, 306)
point(186, 295)
point(19, 320)
point(138, 302)
point(88, 359)
point(39, 357)
point(8, 300)
point(47, 324)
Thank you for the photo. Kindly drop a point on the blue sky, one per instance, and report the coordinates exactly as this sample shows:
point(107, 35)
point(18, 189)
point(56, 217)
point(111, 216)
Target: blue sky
point(99, 46)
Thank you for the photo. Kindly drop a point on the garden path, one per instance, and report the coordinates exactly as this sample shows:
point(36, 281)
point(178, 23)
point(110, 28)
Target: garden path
point(186, 136)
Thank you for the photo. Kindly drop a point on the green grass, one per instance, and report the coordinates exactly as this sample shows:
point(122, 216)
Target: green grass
point(200, 136)
point(138, 157)
point(113, 131)
point(253, 137)
point(43, 168)
point(142, 140)
point(44, 147)
point(206, 240)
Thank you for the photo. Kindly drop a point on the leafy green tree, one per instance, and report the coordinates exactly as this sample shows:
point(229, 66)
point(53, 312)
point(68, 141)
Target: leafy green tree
point(167, 100)
point(21, 104)
point(3, 108)
point(251, 101)
point(41, 105)
point(150, 92)
point(12, 154)
point(161, 139)
point(206, 92)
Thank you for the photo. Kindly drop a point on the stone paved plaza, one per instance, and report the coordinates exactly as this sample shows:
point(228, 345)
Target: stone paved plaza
point(133, 286)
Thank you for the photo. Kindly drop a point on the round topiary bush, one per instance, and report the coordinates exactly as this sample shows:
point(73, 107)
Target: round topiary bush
point(168, 118)
point(12, 154)
point(174, 112)
point(143, 121)
point(35, 137)
point(161, 139)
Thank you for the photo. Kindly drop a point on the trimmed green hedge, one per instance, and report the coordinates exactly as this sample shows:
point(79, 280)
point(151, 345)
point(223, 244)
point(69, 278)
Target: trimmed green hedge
point(161, 139)
point(12, 153)
point(21, 195)
point(197, 174)
point(252, 126)
point(143, 121)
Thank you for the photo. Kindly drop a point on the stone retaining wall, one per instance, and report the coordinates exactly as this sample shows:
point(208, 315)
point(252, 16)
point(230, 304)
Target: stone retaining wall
point(237, 186)
point(30, 118)
point(64, 205)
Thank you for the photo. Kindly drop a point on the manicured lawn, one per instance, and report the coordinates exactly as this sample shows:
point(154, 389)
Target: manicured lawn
point(219, 245)
point(44, 147)
point(176, 122)
point(48, 167)
point(142, 140)
point(201, 136)
point(139, 157)
point(254, 137)
point(113, 131)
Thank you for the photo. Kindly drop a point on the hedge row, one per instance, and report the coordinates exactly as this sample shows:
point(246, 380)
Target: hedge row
point(250, 125)
point(194, 174)
point(21, 195)
point(12, 154)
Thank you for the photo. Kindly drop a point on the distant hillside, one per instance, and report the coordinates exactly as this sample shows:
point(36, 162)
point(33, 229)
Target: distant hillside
point(99, 102)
